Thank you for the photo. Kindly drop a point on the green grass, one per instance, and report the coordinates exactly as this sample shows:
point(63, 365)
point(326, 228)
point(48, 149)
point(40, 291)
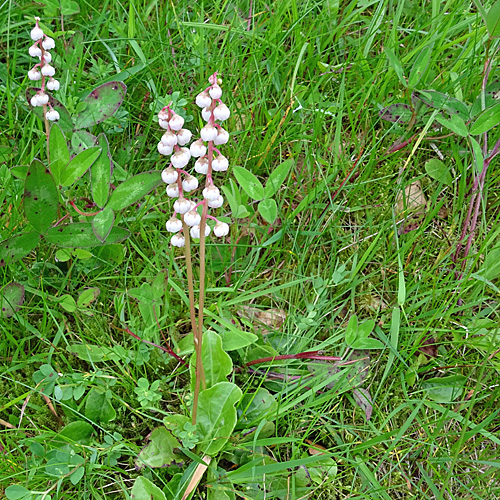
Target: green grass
point(329, 58)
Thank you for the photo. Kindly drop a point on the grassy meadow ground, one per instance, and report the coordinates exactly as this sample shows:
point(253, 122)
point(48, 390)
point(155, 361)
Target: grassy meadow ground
point(363, 229)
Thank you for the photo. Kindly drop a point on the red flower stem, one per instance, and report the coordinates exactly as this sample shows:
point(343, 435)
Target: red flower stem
point(85, 214)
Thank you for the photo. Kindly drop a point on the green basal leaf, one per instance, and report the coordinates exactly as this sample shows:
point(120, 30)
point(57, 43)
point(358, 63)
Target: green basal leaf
point(100, 173)
point(40, 197)
point(160, 451)
point(88, 296)
point(445, 389)
point(216, 416)
point(367, 344)
point(133, 189)
point(79, 165)
point(249, 183)
point(269, 210)
point(81, 234)
point(98, 407)
point(493, 20)
point(144, 489)
point(102, 224)
point(82, 140)
point(486, 120)
point(75, 432)
point(443, 102)
point(420, 66)
point(351, 332)
point(439, 171)
point(254, 407)
point(67, 302)
point(454, 123)
point(102, 103)
point(11, 299)
point(216, 362)
point(365, 328)
point(17, 247)
point(277, 177)
point(59, 152)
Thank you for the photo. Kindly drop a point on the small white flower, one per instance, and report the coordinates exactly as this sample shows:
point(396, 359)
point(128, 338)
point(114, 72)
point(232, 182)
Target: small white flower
point(183, 136)
point(177, 240)
point(172, 190)
point(193, 205)
point(182, 206)
point(221, 112)
point(35, 51)
point(52, 115)
point(201, 165)
point(169, 175)
point(48, 70)
point(222, 137)
point(206, 114)
point(163, 115)
point(48, 43)
point(221, 229)
point(163, 123)
point(215, 92)
point(216, 203)
point(220, 164)
point(192, 218)
point(53, 84)
point(34, 101)
point(180, 158)
point(43, 98)
point(195, 231)
point(198, 148)
point(36, 33)
point(34, 75)
point(190, 183)
point(208, 133)
point(203, 100)
point(169, 138)
point(212, 79)
point(211, 193)
point(164, 150)
point(176, 122)
point(47, 58)
point(173, 225)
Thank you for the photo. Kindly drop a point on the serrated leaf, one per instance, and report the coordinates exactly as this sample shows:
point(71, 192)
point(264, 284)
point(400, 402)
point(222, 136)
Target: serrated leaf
point(17, 247)
point(98, 407)
point(439, 171)
point(144, 489)
point(277, 177)
point(81, 234)
point(486, 120)
point(493, 20)
point(159, 452)
point(11, 299)
point(102, 224)
point(79, 165)
point(133, 189)
point(419, 66)
point(102, 103)
point(100, 173)
point(249, 183)
point(64, 121)
point(88, 296)
point(40, 197)
point(82, 140)
point(268, 209)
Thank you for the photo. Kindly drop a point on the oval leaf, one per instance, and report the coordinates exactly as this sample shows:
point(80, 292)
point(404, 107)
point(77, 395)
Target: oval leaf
point(144, 489)
point(439, 171)
point(102, 224)
point(88, 296)
point(100, 173)
point(269, 210)
point(11, 299)
point(419, 66)
point(59, 152)
point(396, 113)
point(40, 197)
point(17, 247)
point(82, 140)
point(159, 452)
point(133, 189)
point(486, 120)
point(493, 20)
point(79, 165)
point(102, 103)
point(367, 344)
point(81, 234)
point(277, 177)
point(445, 389)
point(98, 407)
point(454, 123)
point(351, 332)
point(249, 183)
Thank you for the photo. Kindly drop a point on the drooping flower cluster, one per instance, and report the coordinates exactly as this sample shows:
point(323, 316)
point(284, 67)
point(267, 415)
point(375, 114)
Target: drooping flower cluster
point(179, 181)
point(43, 70)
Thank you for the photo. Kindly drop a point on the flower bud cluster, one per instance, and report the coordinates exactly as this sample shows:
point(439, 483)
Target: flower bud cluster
point(178, 180)
point(43, 70)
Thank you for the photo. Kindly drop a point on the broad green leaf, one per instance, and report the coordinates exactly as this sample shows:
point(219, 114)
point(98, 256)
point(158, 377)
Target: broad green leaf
point(82, 140)
point(438, 171)
point(100, 173)
point(102, 103)
point(217, 363)
point(133, 189)
point(367, 344)
point(159, 452)
point(11, 299)
point(397, 113)
point(254, 407)
point(493, 20)
point(59, 152)
point(67, 302)
point(98, 407)
point(249, 183)
point(444, 102)
point(16, 492)
point(93, 353)
point(491, 96)
point(79, 165)
point(216, 416)
point(277, 177)
point(455, 124)
point(64, 121)
point(88, 296)
point(269, 210)
point(419, 66)
point(486, 120)
point(144, 489)
point(365, 328)
point(17, 247)
point(75, 432)
point(63, 255)
point(491, 266)
point(81, 234)
point(351, 332)
point(40, 197)
point(445, 389)
point(102, 224)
